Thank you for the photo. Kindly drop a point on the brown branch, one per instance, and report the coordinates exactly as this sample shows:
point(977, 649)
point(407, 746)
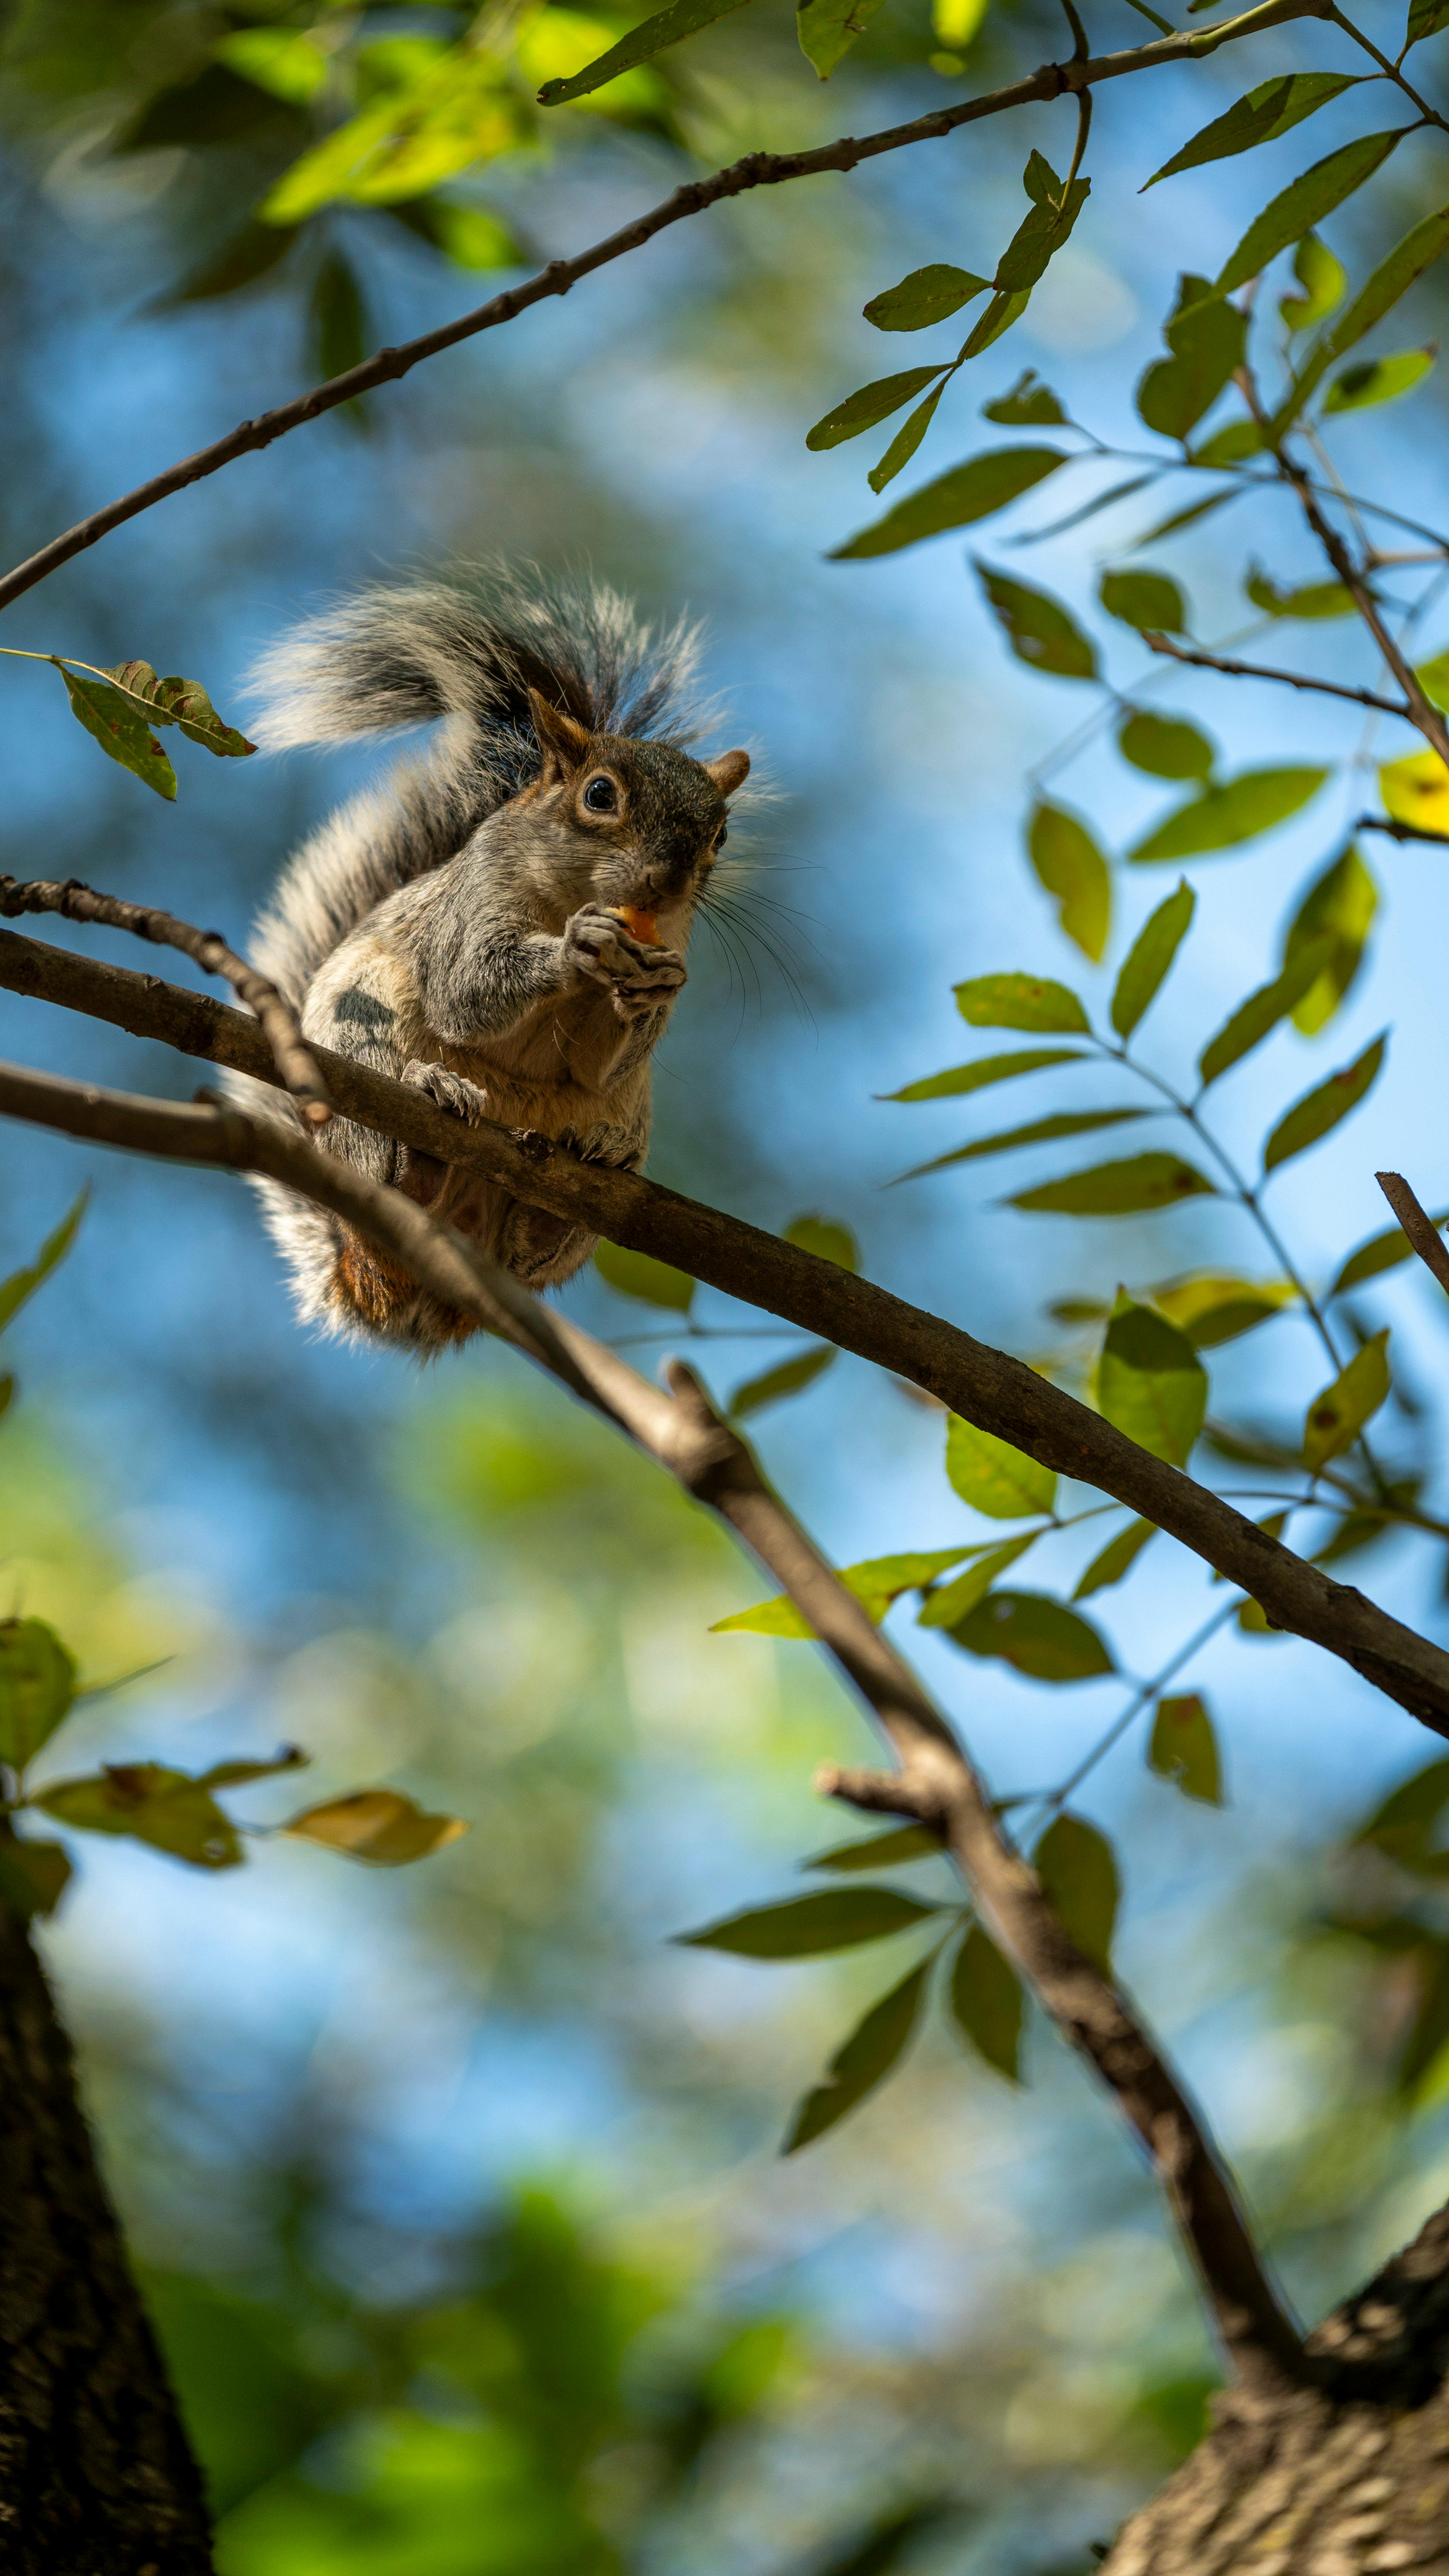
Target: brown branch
point(1420, 709)
point(295, 1062)
point(1395, 831)
point(1261, 671)
point(988, 1387)
point(755, 170)
point(684, 1433)
point(1420, 1228)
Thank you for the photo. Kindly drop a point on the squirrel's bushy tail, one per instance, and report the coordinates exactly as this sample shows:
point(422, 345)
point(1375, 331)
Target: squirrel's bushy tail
point(407, 653)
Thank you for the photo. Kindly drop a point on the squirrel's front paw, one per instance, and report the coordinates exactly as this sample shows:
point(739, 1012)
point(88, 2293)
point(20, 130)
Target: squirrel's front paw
point(452, 1091)
point(597, 945)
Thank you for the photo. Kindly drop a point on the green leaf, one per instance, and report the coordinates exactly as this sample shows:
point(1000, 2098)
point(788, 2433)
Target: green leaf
point(1381, 1252)
point(287, 65)
point(165, 1808)
point(1433, 679)
point(1206, 337)
point(1040, 1131)
point(864, 2060)
point(1146, 600)
point(1150, 1382)
point(379, 1826)
point(1214, 1307)
point(1312, 599)
point(1256, 1018)
point(1038, 629)
point(1337, 1416)
point(22, 1284)
point(1223, 817)
point(1426, 17)
point(1019, 1002)
point(1390, 280)
point(1233, 444)
point(1339, 907)
point(1078, 1873)
point(861, 411)
point(123, 734)
point(1128, 1188)
point(1267, 111)
point(1150, 957)
point(249, 254)
point(37, 1686)
point(638, 1274)
point(876, 1583)
point(467, 235)
point(986, 1069)
point(1115, 1559)
point(184, 703)
point(879, 1851)
point(905, 442)
point(1037, 1636)
point(339, 324)
point(787, 1379)
point(1029, 405)
point(1042, 232)
point(927, 295)
point(1304, 202)
point(1070, 866)
point(987, 2003)
point(1323, 280)
point(950, 1602)
point(990, 326)
point(805, 1927)
point(968, 492)
point(1184, 1748)
point(1319, 1112)
point(1402, 1825)
point(239, 1775)
point(33, 1875)
point(1179, 519)
point(1165, 746)
point(827, 1240)
point(666, 27)
point(1089, 510)
point(994, 1478)
point(828, 28)
point(1378, 380)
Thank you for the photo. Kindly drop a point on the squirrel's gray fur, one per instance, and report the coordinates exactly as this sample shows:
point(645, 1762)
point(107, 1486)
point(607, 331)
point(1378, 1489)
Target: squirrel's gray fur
point(457, 926)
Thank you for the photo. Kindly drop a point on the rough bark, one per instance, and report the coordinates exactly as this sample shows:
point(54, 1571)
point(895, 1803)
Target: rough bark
point(96, 2477)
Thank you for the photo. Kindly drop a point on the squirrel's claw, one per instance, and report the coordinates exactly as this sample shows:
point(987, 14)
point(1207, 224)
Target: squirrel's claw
point(452, 1091)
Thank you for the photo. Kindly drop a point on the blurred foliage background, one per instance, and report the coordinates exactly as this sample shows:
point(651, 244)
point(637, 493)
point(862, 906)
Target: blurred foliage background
point(458, 2192)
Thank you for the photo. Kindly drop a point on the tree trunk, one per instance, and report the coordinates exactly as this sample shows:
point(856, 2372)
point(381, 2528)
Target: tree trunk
point(96, 2476)
point(1347, 2479)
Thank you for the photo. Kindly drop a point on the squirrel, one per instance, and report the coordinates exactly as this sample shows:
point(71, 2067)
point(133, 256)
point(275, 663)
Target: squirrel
point(503, 921)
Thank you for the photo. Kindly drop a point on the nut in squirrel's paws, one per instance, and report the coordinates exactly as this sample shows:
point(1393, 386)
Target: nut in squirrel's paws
point(600, 942)
point(452, 1091)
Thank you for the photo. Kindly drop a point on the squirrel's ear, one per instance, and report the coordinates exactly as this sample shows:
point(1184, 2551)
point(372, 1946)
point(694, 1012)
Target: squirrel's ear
point(558, 733)
point(730, 771)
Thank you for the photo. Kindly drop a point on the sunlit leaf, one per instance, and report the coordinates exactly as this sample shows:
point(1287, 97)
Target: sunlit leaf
point(37, 1686)
point(667, 27)
point(1320, 1110)
point(1304, 202)
point(1433, 679)
point(1165, 746)
point(950, 1602)
point(1221, 818)
point(1416, 790)
point(1184, 1748)
point(123, 733)
point(875, 2046)
point(994, 1478)
point(1337, 1416)
point(876, 1583)
point(879, 1851)
point(986, 1069)
point(1216, 1307)
point(928, 295)
point(151, 1803)
point(1039, 1131)
point(467, 235)
point(34, 1875)
point(1261, 1013)
point(1390, 280)
point(805, 1927)
point(22, 1284)
point(1381, 1252)
point(788, 1378)
point(1114, 1560)
point(968, 492)
point(1078, 1873)
point(1266, 112)
point(1037, 1636)
point(638, 1274)
point(184, 703)
point(862, 410)
point(1038, 629)
point(1149, 959)
point(1129, 1188)
point(1019, 1002)
point(376, 1825)
point(1340, 906)
point(1378, 380)
point(826, 1239)
point(1150, 1381)
point(1311, 599)
point(1205, 335)
point(1324, 281)
point(287, 64)
point(828, 28)
point(905, 442)
point(1146, 600)
point(1029, 405)
point(987, 2003)
point(1069, 865)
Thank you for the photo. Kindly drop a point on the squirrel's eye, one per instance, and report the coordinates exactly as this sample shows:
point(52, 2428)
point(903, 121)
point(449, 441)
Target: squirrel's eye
point(600, 796)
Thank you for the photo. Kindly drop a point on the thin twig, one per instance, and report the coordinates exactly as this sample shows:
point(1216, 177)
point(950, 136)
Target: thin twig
point(686, 1435)
point(1262, 671)
point(1418, 1225)
point(986, 1386)
point(755, 170)
point(300, 1072)
point(1395, 831)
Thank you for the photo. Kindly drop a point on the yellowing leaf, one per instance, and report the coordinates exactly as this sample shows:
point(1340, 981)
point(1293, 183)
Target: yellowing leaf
point(1416, 790)
point(1222, 817)
point(1337, 1416)
point(1150, 957)
point(825, 1238)
point(1150, 1382)
point(994, 1478)
point(1216, 1306)
point(1184, 1748)
point(1129, 1188)
point(1323, 280)
point(876, 1583)
point(950, 1602)
point(1070, 866)
point(1378, 380)
point(377, 1825)
point(152, 1804)
point(1019, 1002)
point(112, 720)
point(1319, 1111)
point(288, 65)
point(875, 2046)
point(1339, 906)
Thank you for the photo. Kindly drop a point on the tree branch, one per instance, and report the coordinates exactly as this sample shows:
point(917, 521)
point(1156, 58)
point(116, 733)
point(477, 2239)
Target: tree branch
point(755, 170)
point(1399, 831)
point(1420, 1228)
point(988, 1387)
point(1261, 671)
point(683, 1432)
point(1420, 709)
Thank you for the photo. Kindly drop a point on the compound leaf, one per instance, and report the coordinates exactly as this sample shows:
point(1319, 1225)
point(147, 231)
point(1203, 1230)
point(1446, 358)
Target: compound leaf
point(861, 411)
